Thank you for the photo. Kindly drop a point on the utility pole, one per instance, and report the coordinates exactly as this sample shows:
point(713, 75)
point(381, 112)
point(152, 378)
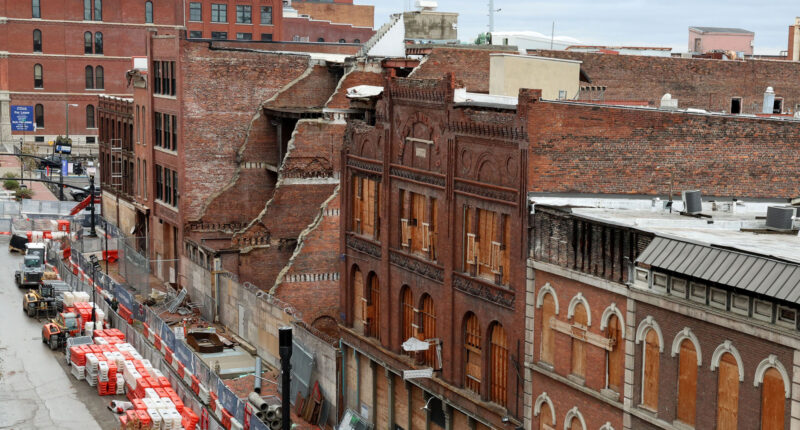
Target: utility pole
point(491, 16)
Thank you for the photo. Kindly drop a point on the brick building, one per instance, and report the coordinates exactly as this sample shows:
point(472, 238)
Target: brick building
point(339, 21)
point(714, 85)
point(240, 20)
point(56, 54)
point(428, 157)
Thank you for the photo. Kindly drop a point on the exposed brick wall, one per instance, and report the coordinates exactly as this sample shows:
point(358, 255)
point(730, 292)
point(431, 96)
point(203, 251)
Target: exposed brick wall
point(358, 15)
point(607, 150)
point(470, 66)
point(314, 150)
point(340, 100)
point(710, 336)
point(217, 118)
point(594, 412)
point(323, 48)
point(330, 32)
point(311, 91)
point(697, 83)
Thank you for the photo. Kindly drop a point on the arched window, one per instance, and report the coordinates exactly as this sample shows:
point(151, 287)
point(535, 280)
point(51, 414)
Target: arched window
point(498, 391)
point(38, 77)
point(98, 43)
point(579, 323)
point(373, 314)
point(543, 408)
point(728, 392)
point(90, 116)
point(428, 329)
point(37, 40)
point(407, 309)
point(773, 402)
point(548, 313)
point(89, 72)
point(148, 12)
point(321, 39)
point(342, 41)
point(98, 78)
point(356, 40)
point(38, 114)
point(687, 382)
point(574, 420)
point(98, 10)
point(359, 300)
point(545, 419)
point(650, 367)
point(87, 42)
point(472, 353)
point(615, 359)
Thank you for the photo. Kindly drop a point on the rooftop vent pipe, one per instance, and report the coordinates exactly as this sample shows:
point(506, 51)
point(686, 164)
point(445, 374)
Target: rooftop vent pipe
point(769, 101)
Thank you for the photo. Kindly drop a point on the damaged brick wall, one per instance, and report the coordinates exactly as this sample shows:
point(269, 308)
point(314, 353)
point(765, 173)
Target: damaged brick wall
point(696, 83)
point(222, 94)
point(470, 66)
point(609, 150)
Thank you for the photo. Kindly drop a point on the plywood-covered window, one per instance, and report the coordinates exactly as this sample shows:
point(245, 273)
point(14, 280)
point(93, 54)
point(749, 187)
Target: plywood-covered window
point(486, 235)
point(579, 322)
point(418, 215)
point(498, 365)
point(546, 418)
point(548, 313)
point(472, 353)
point(407, 309)
point(615, 358)
point(650, 370)
point(687, 383)
point(360, 301)
point(366, 201)
point(728, 393)
point(575, 424)
point(773, 403)
point(373, 308)
point(417, 219)
point(428, 330)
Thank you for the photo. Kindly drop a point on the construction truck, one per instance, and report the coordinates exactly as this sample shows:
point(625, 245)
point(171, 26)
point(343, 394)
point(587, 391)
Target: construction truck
point(47, 300)
point(56, 332)
point(32, 268)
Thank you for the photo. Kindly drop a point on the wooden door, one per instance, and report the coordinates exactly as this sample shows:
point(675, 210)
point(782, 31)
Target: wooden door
point(651, 362)
point(687, 383)
point(728, 393)
point(578, 345)
point(773, 401)
point(548, 312)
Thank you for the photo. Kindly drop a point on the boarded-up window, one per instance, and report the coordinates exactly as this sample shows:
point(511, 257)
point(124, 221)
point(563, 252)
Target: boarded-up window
point(548, 313)
point(373, 308)
point(615, 359)
point(428, 330)
point(773, 402)
point(579, 319)
point(366, 201)
point(472, 353)
point(650, 379)
point(470, 235)
point(486, 235)
point(545, 418)
point(432, 225)
point(687, 383)
point(498, 391)
point(407, 309)
point(358, 183)
point(576, 424)
point(360, 302)
point(728, 393)
point(416, 221)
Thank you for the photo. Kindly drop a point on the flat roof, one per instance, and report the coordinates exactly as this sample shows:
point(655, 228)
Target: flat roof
point(721, 30)
point(534, 57)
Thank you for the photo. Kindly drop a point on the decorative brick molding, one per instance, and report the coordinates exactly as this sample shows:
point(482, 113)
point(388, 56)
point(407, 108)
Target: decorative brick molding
point(417, 177)
point(419, 267)
point(363, 246)
point(492, 193)
point(485, 291)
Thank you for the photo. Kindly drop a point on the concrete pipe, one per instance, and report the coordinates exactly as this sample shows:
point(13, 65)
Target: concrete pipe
point(257, 401)
point(275, 425)
point(270, 415)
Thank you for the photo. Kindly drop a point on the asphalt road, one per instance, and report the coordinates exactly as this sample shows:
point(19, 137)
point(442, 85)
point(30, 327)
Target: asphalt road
point(36, 389)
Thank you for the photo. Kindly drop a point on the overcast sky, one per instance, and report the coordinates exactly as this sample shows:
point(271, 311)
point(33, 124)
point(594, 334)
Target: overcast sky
point(619, 22)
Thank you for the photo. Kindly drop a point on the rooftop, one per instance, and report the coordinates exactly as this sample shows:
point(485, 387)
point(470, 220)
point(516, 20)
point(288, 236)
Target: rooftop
point(721, 30)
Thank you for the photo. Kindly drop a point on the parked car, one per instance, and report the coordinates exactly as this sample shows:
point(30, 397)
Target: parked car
point(51, 161)
point(79, 195)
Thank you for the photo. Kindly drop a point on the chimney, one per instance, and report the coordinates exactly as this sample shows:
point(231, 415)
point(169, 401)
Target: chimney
point(769, 101)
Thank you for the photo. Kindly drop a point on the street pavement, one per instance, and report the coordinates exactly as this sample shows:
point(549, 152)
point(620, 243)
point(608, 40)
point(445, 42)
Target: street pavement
point(36, 389)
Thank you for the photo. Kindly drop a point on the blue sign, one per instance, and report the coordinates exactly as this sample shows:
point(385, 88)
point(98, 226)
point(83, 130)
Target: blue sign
point(64, 167)
point(22, 118)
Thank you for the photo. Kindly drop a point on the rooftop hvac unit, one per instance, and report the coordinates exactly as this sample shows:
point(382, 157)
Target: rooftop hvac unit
point(781, 217)
point(692, 202)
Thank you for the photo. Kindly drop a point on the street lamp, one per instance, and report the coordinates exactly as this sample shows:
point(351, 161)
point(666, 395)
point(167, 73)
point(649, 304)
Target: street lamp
point(67, 110)
point(92, 231)
point(95, 266)
point(61, 170)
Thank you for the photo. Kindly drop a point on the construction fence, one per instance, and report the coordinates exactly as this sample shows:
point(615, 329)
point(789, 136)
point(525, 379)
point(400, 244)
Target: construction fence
point(155, 331)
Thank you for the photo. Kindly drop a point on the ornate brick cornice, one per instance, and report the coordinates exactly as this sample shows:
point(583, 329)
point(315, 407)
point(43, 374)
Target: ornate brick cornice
point(484, 291)
point(491, 193)
point(418, 177)
point(365, 165)
point(363, 246)
point(488, 130)
point(419, 267)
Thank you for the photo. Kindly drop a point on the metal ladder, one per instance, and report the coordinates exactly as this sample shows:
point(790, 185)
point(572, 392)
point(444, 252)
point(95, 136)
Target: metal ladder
point(116, 164)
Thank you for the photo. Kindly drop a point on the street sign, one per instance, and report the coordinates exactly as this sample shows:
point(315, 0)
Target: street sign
point(418, 373)
point(64, 167)
point(22, 118)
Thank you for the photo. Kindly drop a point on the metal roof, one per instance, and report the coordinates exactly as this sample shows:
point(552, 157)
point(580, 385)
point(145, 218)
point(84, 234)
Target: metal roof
point(760, 275)
point(721, 30)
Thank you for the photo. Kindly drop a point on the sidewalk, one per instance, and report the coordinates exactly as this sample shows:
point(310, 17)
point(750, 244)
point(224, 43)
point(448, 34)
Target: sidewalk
point(40, 190)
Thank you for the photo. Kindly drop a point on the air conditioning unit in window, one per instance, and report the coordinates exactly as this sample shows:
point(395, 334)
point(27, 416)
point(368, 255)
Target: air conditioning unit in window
point(781, 218)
